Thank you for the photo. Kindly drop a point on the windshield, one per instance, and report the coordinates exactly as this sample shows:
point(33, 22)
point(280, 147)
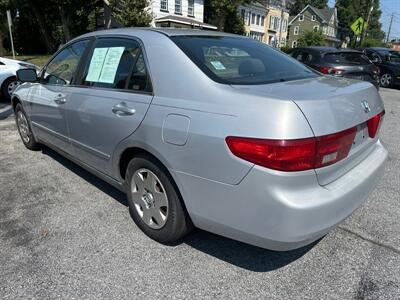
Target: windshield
point(233, 60)
point(390, 55)
point(347, 58)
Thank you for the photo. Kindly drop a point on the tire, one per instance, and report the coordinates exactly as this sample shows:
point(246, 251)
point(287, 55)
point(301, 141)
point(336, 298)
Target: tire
point(154, 201)
point(386, 80)
point(24, 129)
point(7, 87)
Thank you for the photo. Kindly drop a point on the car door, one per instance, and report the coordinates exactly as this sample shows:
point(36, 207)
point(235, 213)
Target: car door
point(48, 100)
point(112, 98)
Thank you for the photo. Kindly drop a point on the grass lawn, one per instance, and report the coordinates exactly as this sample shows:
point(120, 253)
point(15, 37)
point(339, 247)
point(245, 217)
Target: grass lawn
point(38, 60)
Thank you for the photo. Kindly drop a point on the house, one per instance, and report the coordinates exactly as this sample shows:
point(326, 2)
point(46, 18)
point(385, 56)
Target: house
point(276, 26)
point(179, 14)
point(314, 19)
point(254, 15)
point(166, 13)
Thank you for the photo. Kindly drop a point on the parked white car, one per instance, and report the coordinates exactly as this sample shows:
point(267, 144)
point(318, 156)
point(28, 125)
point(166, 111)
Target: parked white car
point(8, 79)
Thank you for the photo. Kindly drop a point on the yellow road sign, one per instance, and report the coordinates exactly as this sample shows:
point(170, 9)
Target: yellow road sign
point(358, 26)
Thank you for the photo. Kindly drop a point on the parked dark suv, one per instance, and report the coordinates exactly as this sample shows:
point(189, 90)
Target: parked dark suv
point(388, 61)
point(338, 62)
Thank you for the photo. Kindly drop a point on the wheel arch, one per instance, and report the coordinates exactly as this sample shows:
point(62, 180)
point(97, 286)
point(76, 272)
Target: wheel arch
point(14, 101)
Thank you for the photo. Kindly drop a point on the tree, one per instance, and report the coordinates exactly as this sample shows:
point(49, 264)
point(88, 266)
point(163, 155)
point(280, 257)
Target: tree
point(131, 12)
point(311, 38)
point(350, 10)
point(224, 14)
point(298, 5)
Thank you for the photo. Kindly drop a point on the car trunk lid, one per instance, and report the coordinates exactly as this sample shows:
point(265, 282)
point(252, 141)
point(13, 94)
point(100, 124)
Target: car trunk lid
point(331, 105)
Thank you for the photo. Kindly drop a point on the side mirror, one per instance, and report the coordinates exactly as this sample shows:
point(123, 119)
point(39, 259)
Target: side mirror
point(27, 75)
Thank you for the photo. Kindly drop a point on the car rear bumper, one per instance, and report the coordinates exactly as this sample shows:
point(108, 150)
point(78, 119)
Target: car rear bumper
point(277, 210)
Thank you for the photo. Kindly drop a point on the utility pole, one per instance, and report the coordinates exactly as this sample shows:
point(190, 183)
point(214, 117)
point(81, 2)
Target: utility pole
point(9, 19)
point(368, 10)
point(283, 7)
point(390, 27)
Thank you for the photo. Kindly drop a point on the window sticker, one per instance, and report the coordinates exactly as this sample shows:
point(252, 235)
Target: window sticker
point(110, 65)
point(104, 64)
point(218, 65)
point(96, 64)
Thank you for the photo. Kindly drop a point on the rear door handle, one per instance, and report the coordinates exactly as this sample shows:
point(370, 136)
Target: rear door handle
point(60, 99)
point(121, 109)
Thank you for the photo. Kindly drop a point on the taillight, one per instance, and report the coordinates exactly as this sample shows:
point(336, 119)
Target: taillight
point(330, 70)
point(374, 124)
point(294, 155)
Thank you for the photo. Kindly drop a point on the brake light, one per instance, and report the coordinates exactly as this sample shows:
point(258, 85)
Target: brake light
point(330, 70)
point(294, 155)
point(374, 124)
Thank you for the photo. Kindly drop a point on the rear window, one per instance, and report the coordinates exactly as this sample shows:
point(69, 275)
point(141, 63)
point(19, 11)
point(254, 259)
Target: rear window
point(231, 60)
point(346, 58)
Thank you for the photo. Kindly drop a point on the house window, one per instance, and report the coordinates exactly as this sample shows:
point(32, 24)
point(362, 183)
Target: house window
point(243, 14)
point(271, 22)
point(164, 5)
point(258, 19)
point(316, 28)
point(294, 44)
point(278, 23)
point(324, 30)
point(253, 18)
point(191, 8)
point(301, 18)
point(283, 41)
point(296, 30)
point(178, 7)
point(313, 18)
point(284, 25)
point(248, 18)
point(262, 21)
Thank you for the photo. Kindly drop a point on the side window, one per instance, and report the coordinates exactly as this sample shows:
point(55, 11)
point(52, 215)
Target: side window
point(62, 68)
point(116, 64)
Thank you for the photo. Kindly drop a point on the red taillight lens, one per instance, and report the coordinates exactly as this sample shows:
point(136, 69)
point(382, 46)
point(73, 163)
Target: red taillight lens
point(334, 147)
point(330, 70)
point(284, 155)
point(374, 124)
point(294, 155)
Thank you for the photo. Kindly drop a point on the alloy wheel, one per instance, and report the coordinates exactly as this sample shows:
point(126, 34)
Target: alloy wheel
point(386, 80)
point(150, 198)
point(12, 86)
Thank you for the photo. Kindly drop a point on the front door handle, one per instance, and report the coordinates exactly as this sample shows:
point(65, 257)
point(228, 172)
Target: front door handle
point(121, 109)
point(60, 99)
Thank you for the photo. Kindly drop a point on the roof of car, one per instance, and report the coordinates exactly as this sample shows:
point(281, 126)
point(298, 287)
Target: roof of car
point(379, 48)
point(165, 31)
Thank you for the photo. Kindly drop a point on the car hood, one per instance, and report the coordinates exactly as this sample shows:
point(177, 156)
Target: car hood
point(329, 104)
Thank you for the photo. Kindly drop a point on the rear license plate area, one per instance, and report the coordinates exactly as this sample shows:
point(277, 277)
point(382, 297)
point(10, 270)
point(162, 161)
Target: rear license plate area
point(361, 135)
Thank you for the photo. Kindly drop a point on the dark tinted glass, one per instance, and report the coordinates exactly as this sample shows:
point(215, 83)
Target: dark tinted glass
point(390, 55)
point(118, 64)
point(233, 60)
point(346, 58)
point(62, 68)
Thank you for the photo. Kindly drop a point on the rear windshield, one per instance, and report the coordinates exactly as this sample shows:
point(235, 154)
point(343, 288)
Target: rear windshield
point(231, 60)
point(346, 58)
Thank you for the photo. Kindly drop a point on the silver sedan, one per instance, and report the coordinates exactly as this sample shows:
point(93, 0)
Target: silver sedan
point(210, 130)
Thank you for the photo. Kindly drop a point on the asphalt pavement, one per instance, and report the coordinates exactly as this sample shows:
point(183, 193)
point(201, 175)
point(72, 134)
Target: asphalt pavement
point(66, 234)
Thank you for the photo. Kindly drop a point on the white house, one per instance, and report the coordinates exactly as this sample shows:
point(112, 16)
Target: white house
point(253, 16)
point(179, 14)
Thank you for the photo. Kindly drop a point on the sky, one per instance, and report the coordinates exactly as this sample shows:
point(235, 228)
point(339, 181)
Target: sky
point(387, 7)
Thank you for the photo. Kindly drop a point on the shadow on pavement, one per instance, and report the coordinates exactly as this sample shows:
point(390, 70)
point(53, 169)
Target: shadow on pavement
point(5, 111)
point(87, 176)
point(236, 253)
point(242, 255)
